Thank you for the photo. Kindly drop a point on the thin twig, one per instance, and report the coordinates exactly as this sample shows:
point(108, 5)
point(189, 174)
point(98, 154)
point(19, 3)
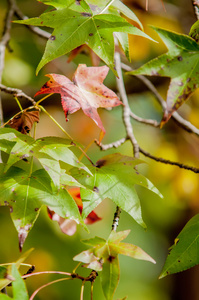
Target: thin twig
point(46, 272)
point(47, 284)
point(145, 153)
point(126, 108)
point(169, 162)
point(196, 7)
point(151, 122)
point(3, 44)
point(112, 145)
point(16, 92)
point(40, 32)
point(116, 218)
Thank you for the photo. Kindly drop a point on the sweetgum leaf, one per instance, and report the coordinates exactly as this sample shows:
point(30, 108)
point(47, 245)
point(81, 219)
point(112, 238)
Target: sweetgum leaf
point(24, 193)
point(75, 25)
point(104, 256)
point(19, 287)
point(86, 91)
point(181, 63)
point(48, 150)
point(110, 277)
point(184, 253)
point(115, 178)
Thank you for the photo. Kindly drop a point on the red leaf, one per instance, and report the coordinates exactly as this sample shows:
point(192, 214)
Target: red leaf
point(68, 226)
point(86, 91)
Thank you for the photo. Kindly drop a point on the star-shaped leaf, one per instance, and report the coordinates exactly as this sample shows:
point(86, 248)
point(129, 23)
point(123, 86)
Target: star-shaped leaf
point(103, 256)
point(76, 23)
point(86, 91)
point(181, 63)
point(114, 177)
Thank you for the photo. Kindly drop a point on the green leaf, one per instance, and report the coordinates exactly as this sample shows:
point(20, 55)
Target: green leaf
point(74, 28)
point(48, 150)
point(184, 253)
point(102, 249)
point(114, 177)
point(104, 256)
point(194, 31)
point(25, 194)
point(19, 287)
point(6, 273)
point(181, 63)
point(110, 277)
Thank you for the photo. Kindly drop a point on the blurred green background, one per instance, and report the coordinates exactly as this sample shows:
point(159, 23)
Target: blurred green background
point(164, 217)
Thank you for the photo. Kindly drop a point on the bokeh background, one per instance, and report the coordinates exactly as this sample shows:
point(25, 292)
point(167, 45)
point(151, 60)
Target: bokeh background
point(164, 217)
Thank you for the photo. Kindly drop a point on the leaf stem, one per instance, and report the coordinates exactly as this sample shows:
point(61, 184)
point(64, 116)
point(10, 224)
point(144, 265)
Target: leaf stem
point(82, 291)
point(77, 266)
point(64, 131)
point(38, 102)
point(51, 117)
point(19, 104)
point(86, 149)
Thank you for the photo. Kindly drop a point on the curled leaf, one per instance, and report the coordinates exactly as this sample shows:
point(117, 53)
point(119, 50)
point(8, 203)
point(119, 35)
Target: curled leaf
point(24, 122)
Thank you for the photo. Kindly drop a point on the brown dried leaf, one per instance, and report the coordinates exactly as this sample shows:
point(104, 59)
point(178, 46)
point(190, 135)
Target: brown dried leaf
point(24, 121)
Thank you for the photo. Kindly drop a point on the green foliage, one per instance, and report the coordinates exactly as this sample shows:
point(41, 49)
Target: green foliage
point(181, 63)
point(194, 31)
point(184, 253)
point(10, 274)
point(26, 187)
point(39, 172)
point(114, 177)
point(103, 256)
point(76, 23)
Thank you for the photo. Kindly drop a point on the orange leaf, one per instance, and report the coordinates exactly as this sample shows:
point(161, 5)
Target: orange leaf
point(86, 91)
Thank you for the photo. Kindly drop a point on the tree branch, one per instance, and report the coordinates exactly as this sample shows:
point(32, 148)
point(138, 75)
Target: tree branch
point(126, 108)
point(16, 92)
point(169, 162)
point(116, 218)
point(34, 29)
point(147, 154)
point(3, 44)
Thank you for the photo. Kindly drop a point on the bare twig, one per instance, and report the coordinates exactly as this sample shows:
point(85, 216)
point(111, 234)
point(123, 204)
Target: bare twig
point(112, 145)
point(16, 92)
point(40, 32)
point(3, 44)
point(151, 122)
point(116, 218)
point(169, 162)
point(196, 7)
point(126, 108)
point(186, 125)
point(147, 154)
